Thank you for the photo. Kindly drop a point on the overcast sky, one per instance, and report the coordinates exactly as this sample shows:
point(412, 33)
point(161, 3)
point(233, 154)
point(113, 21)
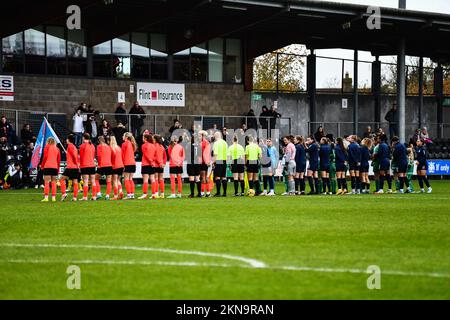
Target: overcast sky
point(327, 70)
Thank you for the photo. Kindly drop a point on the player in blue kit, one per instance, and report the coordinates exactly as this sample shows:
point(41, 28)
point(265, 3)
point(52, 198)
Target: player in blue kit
point(341, 166)
point(354, 161)
point(300, 164)
point(384, 156)
point(400, 157)
point(324, 154)
point(313, 153)
point(422, 165)
point(366, 145)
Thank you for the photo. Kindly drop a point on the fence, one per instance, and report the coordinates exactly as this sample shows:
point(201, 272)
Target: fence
point(156, 123)
point(340, 129)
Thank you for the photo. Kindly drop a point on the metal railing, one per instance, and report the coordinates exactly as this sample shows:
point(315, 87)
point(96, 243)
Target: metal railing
point(340, 129)
point(155, 123)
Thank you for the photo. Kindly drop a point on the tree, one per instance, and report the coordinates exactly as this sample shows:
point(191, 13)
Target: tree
point(291, 62)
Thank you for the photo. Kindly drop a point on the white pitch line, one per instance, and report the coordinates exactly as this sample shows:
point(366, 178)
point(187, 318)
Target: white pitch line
point(252, 262)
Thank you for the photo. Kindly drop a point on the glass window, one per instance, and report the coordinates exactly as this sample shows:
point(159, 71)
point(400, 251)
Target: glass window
point(76, 53)
point(181, 65)
point(329, 75)
point(13, 53)
point(199, 62)
point(365, 77)
point(233, 68)
point(35, 50)
point(141, 55)
point(215, 60)
point(348, 76)
point(121, 57)
point(159, 56)
point(102, 59)
point(56, 50)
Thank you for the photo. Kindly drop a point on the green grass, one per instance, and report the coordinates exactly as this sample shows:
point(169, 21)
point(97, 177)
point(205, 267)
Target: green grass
point(404, 233)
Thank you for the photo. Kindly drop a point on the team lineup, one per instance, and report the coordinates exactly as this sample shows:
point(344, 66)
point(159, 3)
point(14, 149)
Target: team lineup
point(323, 165)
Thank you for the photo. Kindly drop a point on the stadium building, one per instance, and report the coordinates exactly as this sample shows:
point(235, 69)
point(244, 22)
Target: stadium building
point(208, 47)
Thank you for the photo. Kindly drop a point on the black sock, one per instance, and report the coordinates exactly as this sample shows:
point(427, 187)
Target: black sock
point(316, 184)
point(381, 182)
point(242, 186)
point(257, 187)
point(297, 183)
point(224, 186)
point(329, 185)
point(311, 184)
point(192, 186)
point(389, 180)
point(358, 183)
point(265, 180)
point(271, 183)
point(236, 186)
point(420, 178)
point(425, 179)
point(199, 187)
point(251, 184)
point(302, 184)
point(324, 185)
point(400, 183)
point(218, 186)
point(353, 182)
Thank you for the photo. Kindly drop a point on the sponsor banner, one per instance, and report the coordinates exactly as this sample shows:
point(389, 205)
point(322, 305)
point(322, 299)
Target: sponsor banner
point(160, 94)
point(439, 167)
point(6, 88)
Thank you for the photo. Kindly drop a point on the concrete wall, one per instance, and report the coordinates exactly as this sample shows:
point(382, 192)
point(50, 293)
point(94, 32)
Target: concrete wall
point(63, 94)
point(329, 109)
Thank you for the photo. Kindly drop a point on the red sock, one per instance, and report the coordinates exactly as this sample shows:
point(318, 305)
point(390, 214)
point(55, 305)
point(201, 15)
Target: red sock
point(154, 187)
point(161, 186)
point(94, 190)
point(132, 186)
point(145, 188)
point(172, 183)
point(97, 188)
point(62, 184)
point(203, 187)
point(75, 189)
point(108, 187)
point(53, 188)
point(85, 190)
point(180, 184)
point(46, 188)
point(127, 186)
point(116, 190)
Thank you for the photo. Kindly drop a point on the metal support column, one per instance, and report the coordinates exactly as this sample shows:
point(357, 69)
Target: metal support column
point(376, 89)
point(420, 91)
point(311, 87)
point(355, 93)
point(439, 93)
point(401, 90)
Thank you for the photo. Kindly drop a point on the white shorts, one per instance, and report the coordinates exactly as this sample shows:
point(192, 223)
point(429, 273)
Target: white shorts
point(291, 165)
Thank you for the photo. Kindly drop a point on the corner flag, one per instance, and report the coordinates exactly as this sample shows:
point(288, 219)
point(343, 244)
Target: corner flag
point(45, 132)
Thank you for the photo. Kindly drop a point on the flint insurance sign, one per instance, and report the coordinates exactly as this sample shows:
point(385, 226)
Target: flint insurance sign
point(6, 88)
point(160, 94)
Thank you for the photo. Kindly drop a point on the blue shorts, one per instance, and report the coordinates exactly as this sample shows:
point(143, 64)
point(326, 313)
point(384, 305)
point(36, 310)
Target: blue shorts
point(364, 169)
point(354, 167)
point(385, 165)
point(313, 166)
point(402, 167)
point(325, 167)
point(341, 167)
point(423, 165)
point(301, 167)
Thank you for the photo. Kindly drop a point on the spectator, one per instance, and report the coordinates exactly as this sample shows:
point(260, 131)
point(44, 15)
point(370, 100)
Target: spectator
point(137, 121)
point(320, 133)
point(105, 129)
point(176, 125)
point(252, 123)
point(14, 177)
point(27, 135)
point(78, 127)
point(92, 128)
point(380, 132)
point(368, 133)
point(6, 130)
point(391, 117)
point(83, 108)
point(26, 153)
point(121, 114)
point(425, 136)
point(90, 110)
point(275, 115)
point(118, 132)
point(244, 127)
point(4, 150)
point(224, 133)
point(264, 118)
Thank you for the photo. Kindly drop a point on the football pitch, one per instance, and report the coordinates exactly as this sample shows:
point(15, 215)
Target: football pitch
point(308, 247)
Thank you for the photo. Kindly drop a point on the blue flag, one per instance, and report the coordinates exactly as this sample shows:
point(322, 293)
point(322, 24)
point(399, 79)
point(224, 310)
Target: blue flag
point(45, 132)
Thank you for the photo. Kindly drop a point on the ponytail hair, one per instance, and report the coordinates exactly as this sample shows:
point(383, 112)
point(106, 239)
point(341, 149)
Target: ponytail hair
point(129, 137)
point(87, 136)
point(51, 141)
